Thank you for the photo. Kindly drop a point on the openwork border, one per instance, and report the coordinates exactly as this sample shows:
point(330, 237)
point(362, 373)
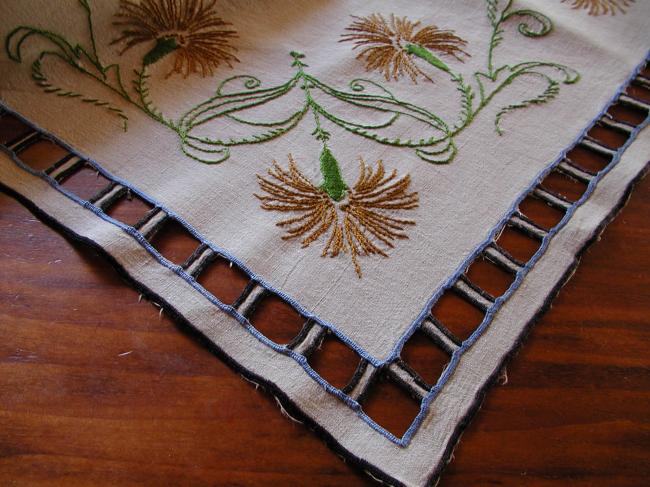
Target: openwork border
point(315, 330)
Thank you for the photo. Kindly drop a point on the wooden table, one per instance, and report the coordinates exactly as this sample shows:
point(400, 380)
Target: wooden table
point(99, 389)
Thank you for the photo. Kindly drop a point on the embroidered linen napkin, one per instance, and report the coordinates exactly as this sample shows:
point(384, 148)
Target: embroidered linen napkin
point(351, 159)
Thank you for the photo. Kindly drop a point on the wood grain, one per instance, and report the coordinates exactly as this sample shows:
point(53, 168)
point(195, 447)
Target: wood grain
point(99, 389)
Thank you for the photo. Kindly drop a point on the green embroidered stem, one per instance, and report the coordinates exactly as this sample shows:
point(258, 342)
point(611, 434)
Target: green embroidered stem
point(91, 32)
point(320, 133)
point(496, 18)
point(429, 136)
point(551, 91)
point(333, 183)
point(467, 113)
point(467, 95)
point(141, 87)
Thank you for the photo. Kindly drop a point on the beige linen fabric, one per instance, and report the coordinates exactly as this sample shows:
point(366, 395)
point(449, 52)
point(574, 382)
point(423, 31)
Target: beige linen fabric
point(459, 203)
point(414, 464)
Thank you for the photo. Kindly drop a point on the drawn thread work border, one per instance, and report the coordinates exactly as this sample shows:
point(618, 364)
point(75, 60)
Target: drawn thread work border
point(417, 323)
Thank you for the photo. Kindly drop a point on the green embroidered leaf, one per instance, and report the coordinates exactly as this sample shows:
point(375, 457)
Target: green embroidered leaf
point(163, 47)
point(495, 10)
point(297, 56)
point(425, 54)
point(384, 109)
point(467, 102)
point(333, 183)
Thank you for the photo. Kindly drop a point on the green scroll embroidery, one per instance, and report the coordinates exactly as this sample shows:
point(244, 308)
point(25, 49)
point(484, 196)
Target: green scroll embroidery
point(431, 137)
point(389, 46)
point(198, 41)
point(363, 94)
point(78, 57)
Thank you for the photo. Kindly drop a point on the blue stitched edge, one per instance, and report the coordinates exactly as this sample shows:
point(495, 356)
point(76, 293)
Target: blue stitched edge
point(497, 228)
point(302, 360)
point(533, 260)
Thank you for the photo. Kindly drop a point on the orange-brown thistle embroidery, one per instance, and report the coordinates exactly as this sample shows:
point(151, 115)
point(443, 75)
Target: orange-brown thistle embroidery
point(199, 39)
point(385, 44)
point(361, 224)
point(601, 7)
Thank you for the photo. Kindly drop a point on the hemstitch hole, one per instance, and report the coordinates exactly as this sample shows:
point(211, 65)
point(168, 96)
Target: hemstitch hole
point(277, 320)
point(456, 314)
point(425, 358)
point(85, 182)
point(334, 361)
point(174, 242)
point(11, 128)
point(42, 154)
point(129, 209)
point(543, 214)
point(516, 243)
point(563, 185)
point(607, 137)
point(626, 114)
point(489, 276)
point(390, 406)
point(588, 160)
point(638, 92)
point(223, 279)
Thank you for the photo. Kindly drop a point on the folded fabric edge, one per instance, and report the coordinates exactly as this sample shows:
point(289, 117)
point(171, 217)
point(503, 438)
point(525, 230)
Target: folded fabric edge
point(286, 404)
point(293, 408)
point(539, 314)
point(285, 398)
point(406, 378)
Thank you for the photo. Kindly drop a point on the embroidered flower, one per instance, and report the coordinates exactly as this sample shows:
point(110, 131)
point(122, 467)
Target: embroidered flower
point(360, 224)
point(385, 44)
point(190, 29)
point(601, 7)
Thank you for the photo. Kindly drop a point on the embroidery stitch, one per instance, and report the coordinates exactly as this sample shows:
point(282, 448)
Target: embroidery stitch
point(175, 25)
point(42, 81)
point(603, 116)
point(382, 44)
point(190, 29)
point(601, 7)
point(370, 30)
point(357, 225)
point(431, 137)
point(87, 62)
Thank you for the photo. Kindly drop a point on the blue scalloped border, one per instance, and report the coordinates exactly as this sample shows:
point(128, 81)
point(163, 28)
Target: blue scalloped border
point(405, 439)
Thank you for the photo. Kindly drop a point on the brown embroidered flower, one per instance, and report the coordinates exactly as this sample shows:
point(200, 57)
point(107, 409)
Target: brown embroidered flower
point(601, 7)
point(361, 224)
point(190, 29)
point(384, 44)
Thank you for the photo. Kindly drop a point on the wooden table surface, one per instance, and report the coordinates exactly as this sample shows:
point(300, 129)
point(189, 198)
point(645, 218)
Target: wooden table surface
point(99, 389)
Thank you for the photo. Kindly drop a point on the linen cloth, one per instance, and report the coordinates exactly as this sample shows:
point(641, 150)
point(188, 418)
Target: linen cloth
point(470, 125)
